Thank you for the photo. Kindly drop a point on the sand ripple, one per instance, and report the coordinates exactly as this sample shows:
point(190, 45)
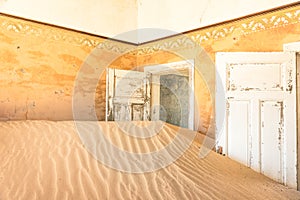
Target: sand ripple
point(47, 160)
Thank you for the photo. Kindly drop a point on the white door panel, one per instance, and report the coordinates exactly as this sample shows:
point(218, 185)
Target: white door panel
point(265, 77)
point(272, 139)
point(127, 94)
point(256, 111)
point(238, 130)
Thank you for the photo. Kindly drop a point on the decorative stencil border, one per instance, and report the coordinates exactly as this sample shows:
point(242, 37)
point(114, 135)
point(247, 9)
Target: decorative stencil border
point(271, 20)
point(275, 19)
point(48, 32)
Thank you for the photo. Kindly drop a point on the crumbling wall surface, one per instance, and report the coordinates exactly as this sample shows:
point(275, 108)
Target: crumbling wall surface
point(39, 63)
point(174, 99)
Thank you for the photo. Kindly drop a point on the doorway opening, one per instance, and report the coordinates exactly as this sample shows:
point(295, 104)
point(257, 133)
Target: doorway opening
point(172, 93)
point(160, 92)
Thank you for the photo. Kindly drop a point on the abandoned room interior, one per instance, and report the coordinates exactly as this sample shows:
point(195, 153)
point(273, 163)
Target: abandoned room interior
point(142, 99)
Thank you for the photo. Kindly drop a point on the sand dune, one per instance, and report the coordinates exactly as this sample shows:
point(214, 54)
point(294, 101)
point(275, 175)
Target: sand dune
point(47, 160)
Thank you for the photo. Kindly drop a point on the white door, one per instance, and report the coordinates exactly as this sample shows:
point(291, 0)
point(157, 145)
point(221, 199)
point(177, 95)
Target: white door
point(256, 112)
point(127, 95)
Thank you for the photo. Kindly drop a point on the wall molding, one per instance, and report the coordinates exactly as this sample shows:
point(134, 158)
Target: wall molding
point(245, 26)
point(25, 27)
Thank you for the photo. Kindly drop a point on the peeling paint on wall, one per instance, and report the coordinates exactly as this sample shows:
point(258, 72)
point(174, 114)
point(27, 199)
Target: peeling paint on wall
point(174, 98)
point(39, 63)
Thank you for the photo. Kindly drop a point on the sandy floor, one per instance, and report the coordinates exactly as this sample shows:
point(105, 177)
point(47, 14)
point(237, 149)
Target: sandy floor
point(47, 160)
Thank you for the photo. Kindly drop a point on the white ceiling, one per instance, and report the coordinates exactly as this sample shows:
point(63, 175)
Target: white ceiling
point(126, 19)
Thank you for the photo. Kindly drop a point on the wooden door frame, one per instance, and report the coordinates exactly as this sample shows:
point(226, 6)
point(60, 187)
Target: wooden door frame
point(167, 68)
point(290, 143)
point(295, 47)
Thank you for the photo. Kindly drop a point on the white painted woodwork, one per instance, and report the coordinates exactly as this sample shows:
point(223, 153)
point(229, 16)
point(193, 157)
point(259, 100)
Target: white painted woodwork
point(271, 139)
point(295, 48)
point(292, 47)
point(127, 95)
point(256, 112)
point(155, 97)
point(182, 68)
point(238, 131)
point(253, 77)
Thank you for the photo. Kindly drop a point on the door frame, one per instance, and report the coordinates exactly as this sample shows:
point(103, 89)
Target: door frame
point(290, 170)
point(295, 47)
point(175, 68)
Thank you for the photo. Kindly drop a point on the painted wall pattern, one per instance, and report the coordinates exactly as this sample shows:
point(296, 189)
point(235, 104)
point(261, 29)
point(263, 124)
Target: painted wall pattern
point(39, 63)
point(267, 21)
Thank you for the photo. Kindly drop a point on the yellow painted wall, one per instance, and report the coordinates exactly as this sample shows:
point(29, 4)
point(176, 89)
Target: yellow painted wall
point(265, 32)
point(39, 63)
point(38, 67)
point(37, 74)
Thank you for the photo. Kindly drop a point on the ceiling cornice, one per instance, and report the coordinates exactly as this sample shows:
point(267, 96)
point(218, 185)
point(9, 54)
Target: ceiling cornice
point(273, 18)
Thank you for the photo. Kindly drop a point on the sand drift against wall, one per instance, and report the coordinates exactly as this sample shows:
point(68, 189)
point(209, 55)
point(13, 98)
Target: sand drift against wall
point(47, 160)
